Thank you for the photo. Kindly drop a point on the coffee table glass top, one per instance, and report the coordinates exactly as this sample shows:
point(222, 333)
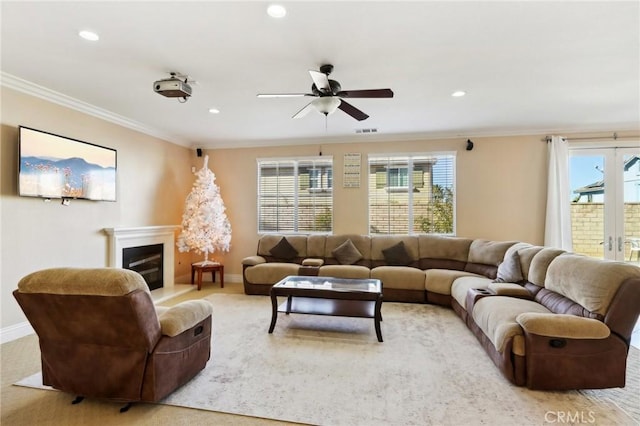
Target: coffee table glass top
point(332, 284)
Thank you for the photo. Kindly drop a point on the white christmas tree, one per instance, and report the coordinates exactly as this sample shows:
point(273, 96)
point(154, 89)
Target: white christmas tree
point(205, 227)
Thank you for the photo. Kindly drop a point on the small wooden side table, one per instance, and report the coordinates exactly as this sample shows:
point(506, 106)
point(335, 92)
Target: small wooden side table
point(212, 267)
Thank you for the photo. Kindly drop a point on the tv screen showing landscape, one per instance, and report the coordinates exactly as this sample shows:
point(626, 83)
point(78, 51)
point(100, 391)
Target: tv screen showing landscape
point(53, 166)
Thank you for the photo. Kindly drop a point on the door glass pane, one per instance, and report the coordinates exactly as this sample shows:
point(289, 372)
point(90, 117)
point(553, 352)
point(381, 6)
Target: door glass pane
point(586, 180)
point(631, 198)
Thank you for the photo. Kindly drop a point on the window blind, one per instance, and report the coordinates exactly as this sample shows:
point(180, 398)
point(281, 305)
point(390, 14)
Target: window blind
point(295, 195)
point(411, 194)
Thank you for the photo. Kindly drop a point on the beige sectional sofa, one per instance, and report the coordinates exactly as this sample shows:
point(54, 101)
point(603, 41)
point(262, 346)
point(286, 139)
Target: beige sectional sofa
point(547, 318)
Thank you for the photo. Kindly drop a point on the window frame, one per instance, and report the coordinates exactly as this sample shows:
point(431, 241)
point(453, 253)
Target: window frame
point(414, 184)
point(297, 186)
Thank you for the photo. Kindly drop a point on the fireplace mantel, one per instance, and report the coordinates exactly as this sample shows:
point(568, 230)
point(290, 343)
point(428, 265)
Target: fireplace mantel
point(121, 238)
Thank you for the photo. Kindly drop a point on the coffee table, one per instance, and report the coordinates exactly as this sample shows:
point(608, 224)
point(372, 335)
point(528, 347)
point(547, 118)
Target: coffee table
point(361, 298)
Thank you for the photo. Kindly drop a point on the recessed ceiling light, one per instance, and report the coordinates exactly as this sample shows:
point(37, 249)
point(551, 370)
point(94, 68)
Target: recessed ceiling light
point(89, 35)
point(458, 93)
point(214, 110)
point(276, 11)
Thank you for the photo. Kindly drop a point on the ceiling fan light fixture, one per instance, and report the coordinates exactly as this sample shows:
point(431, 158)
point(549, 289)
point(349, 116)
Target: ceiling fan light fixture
point(327, 104)
point(276, 11)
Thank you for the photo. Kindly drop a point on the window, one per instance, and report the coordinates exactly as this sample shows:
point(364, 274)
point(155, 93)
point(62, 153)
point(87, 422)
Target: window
point(605, 202)
point(412, 194)
point(398, 177)
point(295, 195)
point(320, 178)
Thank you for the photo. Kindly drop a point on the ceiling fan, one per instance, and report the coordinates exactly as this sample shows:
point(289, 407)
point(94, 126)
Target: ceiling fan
point(329, 95)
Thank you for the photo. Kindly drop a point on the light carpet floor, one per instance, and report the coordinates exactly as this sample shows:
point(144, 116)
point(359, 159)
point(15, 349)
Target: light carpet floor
point(430, 370)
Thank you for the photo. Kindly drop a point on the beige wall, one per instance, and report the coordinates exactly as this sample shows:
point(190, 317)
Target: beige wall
point(154, 178)
point(501, 187)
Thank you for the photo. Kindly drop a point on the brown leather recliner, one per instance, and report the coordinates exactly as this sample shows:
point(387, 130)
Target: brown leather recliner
point(101, 336)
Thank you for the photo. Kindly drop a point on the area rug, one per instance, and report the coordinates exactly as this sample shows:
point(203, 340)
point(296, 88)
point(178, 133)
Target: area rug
point(430, 370)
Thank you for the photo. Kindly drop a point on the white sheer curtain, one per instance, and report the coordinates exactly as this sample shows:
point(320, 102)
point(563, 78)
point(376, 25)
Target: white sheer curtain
point(557, 231)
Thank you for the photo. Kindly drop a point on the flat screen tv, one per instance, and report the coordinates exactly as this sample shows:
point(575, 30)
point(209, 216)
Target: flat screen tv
point(53, 166)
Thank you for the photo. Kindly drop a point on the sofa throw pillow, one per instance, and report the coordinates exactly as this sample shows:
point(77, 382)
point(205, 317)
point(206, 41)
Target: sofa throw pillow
point(510, 271)
point(397, 255)
point(284, 250)
point(346, 253)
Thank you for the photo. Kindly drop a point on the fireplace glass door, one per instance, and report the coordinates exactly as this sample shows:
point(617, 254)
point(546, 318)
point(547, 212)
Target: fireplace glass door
point(147, 261)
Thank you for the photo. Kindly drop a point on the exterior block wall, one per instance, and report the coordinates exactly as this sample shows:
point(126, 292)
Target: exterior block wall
point(588, 228)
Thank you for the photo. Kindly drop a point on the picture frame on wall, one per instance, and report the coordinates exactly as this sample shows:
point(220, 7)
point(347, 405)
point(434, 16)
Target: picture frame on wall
point(352, 165)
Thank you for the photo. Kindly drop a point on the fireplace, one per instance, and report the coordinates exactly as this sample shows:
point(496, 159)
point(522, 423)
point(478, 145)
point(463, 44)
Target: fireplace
point(147, 261)
point(121, 239)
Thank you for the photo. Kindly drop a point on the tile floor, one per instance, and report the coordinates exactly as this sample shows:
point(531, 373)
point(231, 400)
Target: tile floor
point(165, 293)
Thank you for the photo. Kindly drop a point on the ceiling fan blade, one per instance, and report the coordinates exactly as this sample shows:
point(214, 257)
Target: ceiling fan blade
point(352, 111)
point(304, 111)
point(321, 81)
point(372, 93)
point(283, 95)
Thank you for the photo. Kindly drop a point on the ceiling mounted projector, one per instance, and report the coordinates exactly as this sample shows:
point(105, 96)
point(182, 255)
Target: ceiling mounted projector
point(173, 87)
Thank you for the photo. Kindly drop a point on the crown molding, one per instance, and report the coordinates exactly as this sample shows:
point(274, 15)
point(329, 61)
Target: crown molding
point(30, 88)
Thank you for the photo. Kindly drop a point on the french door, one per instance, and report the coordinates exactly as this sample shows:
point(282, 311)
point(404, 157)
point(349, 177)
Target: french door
point(605, 202)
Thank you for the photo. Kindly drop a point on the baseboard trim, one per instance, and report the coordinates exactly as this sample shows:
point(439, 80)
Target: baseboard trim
point(16, 331)
point(233, 278)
